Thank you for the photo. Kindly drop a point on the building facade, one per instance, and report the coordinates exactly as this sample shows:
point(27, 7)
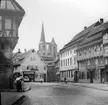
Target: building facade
point(31, 65)
point(11, 15)
point(91, 54)
point(68, 63)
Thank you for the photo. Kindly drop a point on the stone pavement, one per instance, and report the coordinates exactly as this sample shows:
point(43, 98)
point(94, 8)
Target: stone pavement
point(15, 98)
point(8, 97)
point(103, 87)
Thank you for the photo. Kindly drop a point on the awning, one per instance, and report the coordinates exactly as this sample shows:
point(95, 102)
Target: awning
point(57, 73)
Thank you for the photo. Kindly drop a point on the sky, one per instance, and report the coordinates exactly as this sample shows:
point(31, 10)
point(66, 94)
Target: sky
point(62, 19)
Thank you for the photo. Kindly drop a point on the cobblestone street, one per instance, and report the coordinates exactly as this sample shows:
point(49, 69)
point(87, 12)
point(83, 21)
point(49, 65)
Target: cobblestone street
point(64, 94)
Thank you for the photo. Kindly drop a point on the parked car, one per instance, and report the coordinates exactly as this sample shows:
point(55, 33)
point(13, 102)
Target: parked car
point(26, 78)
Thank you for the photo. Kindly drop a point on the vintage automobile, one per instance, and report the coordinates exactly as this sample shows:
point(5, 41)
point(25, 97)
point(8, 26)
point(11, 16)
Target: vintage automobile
point(26, 79)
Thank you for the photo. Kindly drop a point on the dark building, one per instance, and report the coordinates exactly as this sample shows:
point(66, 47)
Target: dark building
point(11, 15)
point(92, 53)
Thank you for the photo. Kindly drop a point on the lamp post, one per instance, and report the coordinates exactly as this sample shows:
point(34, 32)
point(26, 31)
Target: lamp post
point(11, 15)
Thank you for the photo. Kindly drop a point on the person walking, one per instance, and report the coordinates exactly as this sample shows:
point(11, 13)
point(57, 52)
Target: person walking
point(18, 83)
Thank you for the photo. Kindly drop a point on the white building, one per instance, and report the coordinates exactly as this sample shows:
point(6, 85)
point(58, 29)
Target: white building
point(31, 64)
point(68, 63)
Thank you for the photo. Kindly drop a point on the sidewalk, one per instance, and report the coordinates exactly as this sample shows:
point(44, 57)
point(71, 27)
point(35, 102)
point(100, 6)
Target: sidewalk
point(9, 96)
point(103, 87)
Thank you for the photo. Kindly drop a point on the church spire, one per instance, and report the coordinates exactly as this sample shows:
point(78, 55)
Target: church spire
point(42, 34)
point(53, 41)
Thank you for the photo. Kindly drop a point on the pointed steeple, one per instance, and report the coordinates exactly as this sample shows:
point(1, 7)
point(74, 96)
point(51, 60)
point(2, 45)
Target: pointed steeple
point(42, 34)
point(53, 41)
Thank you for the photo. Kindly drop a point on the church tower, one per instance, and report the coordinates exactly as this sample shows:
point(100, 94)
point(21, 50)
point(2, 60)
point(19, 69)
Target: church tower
point(48, 49)
point(53, 48)
point(42, 43)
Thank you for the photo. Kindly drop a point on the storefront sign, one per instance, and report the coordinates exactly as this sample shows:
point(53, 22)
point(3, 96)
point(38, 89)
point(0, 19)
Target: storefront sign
point(91, 67)
point(28, 72)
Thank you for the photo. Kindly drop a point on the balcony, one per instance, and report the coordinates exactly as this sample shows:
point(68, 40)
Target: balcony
point(91, 55)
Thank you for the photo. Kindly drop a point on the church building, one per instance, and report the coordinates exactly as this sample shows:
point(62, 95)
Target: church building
point(48, 51)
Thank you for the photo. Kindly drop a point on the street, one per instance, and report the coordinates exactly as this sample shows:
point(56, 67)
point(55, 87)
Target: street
point(64, 94)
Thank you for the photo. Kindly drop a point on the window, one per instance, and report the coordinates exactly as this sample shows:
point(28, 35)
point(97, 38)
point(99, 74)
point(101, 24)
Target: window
point(74, 60)
point(70, 51)
point(70, 61)
point(71, 74)
point(67, 73)
point(2, 4)
point(66, 62)
point(32, 59)
point(61, 63)
point(7, 23)
point(44, 67)
point(43, 53)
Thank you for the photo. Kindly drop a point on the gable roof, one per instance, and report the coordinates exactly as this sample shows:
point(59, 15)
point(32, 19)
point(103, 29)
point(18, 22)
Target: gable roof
point(11, 7)
point(95, 35)
point(91, 35)
point(22, 56)
point(79, 37)
point(46, 58)
point(19, 57)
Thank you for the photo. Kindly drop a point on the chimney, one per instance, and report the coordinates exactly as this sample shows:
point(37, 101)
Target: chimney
point(85, 27)
point(19, 50)
point(101, 20)
point(25, 50)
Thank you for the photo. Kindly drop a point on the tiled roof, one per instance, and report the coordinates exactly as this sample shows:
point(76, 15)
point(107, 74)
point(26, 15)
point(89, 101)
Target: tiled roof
point(95, 35)
point(80, 36)
point(46, 58)
point(11, 6)
point(91, 35)
point(19, 57)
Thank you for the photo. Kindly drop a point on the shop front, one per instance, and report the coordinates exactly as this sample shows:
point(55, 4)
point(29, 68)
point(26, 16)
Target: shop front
point(106, 73)
point(29, 74)
point(102, 73)
point(91, 70)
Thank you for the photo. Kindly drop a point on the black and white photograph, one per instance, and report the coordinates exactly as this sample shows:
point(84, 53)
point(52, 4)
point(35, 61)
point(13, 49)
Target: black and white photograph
point(53, 52)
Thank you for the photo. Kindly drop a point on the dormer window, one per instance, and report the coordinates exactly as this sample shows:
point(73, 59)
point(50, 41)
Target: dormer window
point(97, 24)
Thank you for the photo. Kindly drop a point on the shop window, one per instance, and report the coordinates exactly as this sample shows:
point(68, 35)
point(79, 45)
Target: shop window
point(88, 75)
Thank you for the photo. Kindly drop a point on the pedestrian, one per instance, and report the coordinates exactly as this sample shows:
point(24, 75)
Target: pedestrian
point(41, 80)
point(65, 80)
point(22, 84)
point(18, 83)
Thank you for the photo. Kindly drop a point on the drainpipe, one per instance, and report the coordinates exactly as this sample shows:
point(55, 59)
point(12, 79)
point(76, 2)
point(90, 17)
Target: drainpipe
point(46, 73)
